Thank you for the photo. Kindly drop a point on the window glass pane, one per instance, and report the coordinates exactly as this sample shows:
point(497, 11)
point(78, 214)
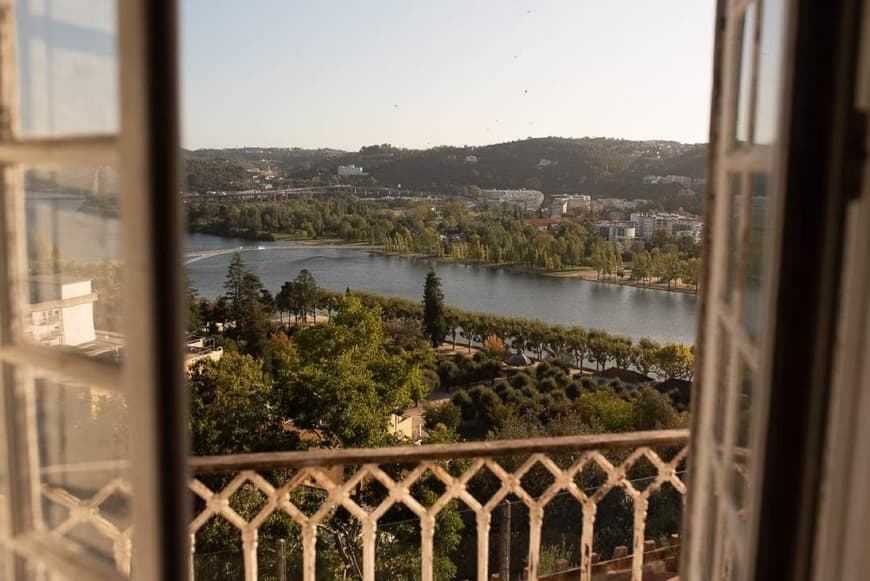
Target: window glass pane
point(744, 407)
point(721, 386)
point(710, 538)
point(744, 76)
point(753, 271)
point(67, 62)
point(82, 443)
point(73, 462)
point(742, 454)
point(735, 240)
point(769, 69)
point(74, 260)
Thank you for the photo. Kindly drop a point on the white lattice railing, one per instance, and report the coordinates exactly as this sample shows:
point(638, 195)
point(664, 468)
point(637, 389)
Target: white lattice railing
point(309, 488)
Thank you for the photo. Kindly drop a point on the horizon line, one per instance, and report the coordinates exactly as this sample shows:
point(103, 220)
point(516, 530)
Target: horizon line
point(464, 146)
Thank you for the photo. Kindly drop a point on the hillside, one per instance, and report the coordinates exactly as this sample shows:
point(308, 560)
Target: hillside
point(597, 166)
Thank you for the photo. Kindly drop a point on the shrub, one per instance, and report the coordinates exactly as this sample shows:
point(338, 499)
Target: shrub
point(547, 385)
point(448, 414)
point(521, 380)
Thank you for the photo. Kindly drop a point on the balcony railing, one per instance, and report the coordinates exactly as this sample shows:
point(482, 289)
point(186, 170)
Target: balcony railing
point(369, 491)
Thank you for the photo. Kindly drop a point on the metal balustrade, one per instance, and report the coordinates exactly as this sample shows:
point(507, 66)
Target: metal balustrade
point(310, 487)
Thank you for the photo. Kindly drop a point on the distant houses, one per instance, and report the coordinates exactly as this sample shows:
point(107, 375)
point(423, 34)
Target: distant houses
point(526, 200)
point(350, 171)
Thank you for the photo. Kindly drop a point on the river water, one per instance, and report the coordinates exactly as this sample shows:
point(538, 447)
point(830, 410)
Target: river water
point(623, 310)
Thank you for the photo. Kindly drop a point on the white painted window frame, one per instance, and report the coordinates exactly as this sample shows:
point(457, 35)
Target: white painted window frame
point(151, 375)
point(712, 462)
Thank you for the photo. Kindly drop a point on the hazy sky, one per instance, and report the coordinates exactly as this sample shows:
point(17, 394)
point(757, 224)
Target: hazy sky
point(419, 73)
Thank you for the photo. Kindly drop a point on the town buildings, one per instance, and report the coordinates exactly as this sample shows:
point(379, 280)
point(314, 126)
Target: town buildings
point(568, 203)
point(675, 224)
point(61, 310)
point(527, 200)
point(617, 231)
point(350, 171)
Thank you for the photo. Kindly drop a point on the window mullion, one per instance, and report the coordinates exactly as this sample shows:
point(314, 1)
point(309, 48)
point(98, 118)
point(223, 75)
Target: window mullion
point(96, 150)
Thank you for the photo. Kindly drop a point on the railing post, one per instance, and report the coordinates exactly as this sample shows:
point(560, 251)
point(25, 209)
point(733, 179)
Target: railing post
point(249, 550)
point(536, 520)
point(282, 560)
point(191, 566)
point(640, 510)
point(369, 534)
point(483, 520)
point(504, 565)
point(309, 551)
point(427, 534)
point(586, 538)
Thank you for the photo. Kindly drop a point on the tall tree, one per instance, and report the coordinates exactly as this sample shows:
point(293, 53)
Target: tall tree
point(233, 283)
point(434, 320)
point(193, 321)
point(306, 293)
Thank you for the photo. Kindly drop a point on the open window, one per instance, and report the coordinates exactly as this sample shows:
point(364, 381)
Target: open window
point(91, 399)
point(91, 339)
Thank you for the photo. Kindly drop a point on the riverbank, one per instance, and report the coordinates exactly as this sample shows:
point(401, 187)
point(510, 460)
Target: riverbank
point(591, 275)
point(585, 273)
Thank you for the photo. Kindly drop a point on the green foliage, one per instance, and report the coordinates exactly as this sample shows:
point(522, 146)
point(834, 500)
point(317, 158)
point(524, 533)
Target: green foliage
point(653, 411)
point(233, 408)
point(447, 414)
point(552, 553)
point(675, 360)
point(434, 320)
point(248, 306)
point(344, 381)
point(605, 410)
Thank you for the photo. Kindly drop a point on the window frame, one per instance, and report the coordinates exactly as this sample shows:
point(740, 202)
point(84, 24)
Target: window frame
point(146, 153)
point(808, 169)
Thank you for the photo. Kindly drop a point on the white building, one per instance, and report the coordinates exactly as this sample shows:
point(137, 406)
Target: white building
point(684, 181)
point(528, 200)
point(648, 224)
point(617, 231)
point(471, 159)
point(350, 170)
point(574, 201)
point(558, 208)
point(199, 349)
point(614, 203)
point(62, 310)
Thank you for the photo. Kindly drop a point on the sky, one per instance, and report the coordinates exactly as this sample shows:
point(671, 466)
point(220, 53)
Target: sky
point(422, 73)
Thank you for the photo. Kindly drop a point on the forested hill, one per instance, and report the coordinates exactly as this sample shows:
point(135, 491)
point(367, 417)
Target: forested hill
point(597, 166)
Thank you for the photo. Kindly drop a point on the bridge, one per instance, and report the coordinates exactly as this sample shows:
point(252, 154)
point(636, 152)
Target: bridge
point(289, 193)
point(197, 255)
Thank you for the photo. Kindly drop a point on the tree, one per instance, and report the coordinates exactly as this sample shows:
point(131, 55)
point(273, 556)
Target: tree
point(690, 270)
point(253, 321)
point(193, 322)
point(248, 305)
point(343, 380)
point(284, 300)
point(652, 410)
point(675, 360)
point(307, 292)
point(232, 410)
point(233, 285)
point(434, 320)
point(600, 347)
point(644, 355)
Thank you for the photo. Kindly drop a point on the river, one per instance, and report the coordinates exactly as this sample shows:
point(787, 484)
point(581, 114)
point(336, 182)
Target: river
point(623, 310)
